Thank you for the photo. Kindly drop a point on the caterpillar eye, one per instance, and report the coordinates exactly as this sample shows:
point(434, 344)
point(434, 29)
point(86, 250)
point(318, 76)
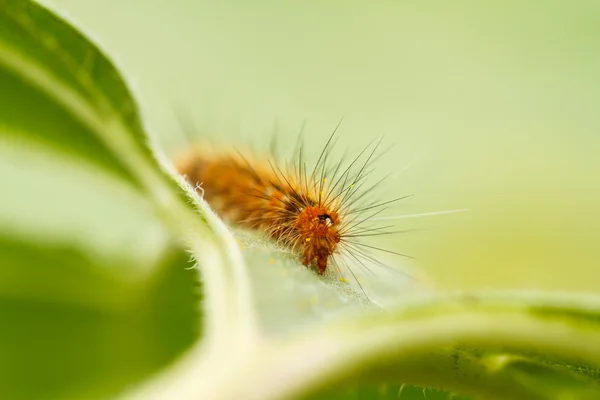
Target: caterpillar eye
point(326, 218)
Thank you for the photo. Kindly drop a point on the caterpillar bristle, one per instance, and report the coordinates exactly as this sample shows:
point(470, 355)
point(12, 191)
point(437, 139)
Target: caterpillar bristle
point(319, 213)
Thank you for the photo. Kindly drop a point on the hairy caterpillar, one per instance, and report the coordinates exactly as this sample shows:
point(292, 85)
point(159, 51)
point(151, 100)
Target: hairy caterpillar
point(317, 214)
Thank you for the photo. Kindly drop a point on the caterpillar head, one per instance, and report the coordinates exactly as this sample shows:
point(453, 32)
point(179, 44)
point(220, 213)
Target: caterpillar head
point(319, 235)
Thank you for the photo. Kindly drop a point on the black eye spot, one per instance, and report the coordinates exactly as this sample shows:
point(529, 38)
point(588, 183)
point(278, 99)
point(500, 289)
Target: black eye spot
point(324, 217)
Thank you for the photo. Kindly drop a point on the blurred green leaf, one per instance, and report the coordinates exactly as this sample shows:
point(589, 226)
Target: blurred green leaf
point(384, 392)
point(507, 374)
point(488, 346)
point(61, 275)
point(83, 313)
point(73, 330)
point(29, 117)
point(57, 81)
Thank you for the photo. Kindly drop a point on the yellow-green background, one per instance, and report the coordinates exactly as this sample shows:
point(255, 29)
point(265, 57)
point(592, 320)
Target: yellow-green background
point(495, 103)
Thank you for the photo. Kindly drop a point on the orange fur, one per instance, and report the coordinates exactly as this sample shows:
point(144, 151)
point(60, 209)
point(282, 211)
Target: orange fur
point(294, 211)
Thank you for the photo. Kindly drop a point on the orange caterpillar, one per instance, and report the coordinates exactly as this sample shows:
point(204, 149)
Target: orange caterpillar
point(316, 215)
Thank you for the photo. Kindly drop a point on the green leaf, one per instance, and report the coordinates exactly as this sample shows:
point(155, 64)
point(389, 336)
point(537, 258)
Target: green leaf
point(93, 293)
point(68, 95)
point(385, 392)
point(503, 375)
point(60, 275)
point(54, 76)
point(52, 198)
point(73, 329)
point(516, 336)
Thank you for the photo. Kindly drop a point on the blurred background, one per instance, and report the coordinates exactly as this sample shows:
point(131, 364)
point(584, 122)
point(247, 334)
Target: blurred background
point(491, 107)
point(494, 105)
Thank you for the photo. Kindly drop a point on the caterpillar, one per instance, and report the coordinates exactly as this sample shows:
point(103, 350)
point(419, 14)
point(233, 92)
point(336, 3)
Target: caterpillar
point(317, 214)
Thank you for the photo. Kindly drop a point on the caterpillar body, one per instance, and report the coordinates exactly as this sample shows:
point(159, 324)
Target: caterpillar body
point(317, 215)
